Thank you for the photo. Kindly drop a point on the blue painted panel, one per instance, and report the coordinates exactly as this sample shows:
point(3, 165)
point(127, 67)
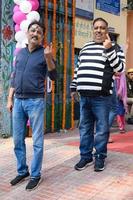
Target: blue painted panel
point(84, 13)
point(110, 6)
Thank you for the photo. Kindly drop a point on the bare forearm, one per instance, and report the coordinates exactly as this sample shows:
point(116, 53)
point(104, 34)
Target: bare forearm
point(11, 93)
point(50, 64)
point(10, 100)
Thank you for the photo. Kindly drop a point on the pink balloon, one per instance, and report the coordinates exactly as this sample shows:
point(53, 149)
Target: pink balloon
point(16, 8)
point(18, 17)
point(17, 27)
point(16, 51)
point(35, 4)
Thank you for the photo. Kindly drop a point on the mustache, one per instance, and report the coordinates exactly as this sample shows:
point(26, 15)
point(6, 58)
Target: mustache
point(35, 37)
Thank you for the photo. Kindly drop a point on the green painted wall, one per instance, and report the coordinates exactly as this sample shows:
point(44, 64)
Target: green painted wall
point(6, 46)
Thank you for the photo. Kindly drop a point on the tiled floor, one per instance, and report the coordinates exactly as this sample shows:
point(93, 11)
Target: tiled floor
point(60, 180)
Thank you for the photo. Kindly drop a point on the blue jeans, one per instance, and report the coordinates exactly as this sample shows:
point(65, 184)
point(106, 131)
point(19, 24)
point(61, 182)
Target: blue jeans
point(32, 109)
point(94, 114)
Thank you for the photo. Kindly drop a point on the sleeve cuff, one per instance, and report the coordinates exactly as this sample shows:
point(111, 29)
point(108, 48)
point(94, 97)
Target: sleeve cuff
point(110, 49)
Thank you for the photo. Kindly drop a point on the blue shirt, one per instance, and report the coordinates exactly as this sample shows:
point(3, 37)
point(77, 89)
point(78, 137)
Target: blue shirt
point(30, 73)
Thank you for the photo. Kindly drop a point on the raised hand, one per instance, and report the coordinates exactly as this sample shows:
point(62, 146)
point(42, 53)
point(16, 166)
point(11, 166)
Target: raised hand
point(49, 57)
point(48, 51)
point(107, 43)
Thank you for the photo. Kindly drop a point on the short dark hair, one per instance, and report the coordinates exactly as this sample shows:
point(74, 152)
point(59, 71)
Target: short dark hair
point(100, 19)
point(38, 23)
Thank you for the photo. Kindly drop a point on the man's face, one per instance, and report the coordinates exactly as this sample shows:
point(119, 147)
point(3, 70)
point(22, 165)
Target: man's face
point(100, 30)
point(130, 75)
point(35, 35)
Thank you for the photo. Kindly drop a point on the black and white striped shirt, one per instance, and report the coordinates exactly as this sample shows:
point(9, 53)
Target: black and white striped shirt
point(96, 65)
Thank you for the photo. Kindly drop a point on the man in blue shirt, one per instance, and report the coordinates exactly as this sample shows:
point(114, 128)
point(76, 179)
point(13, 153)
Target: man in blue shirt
point(27, 88)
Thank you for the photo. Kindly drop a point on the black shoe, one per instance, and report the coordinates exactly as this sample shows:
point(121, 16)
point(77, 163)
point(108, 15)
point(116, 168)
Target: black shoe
point(5, 136)
point(99, 165)
point(33, 183)
point(82, 164)
point(19, 179)
point(130, 120)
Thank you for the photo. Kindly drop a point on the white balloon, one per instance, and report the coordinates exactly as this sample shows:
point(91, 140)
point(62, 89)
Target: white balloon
point(21, 44)
point(25, 6)
point(33, 16)
point(24, 25)
point(18, 45)
point(25, 41)
point(19, 1)
point(19, 36)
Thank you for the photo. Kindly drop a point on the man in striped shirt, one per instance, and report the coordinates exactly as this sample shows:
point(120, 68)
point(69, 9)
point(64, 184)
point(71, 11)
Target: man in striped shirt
point(93, 80)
